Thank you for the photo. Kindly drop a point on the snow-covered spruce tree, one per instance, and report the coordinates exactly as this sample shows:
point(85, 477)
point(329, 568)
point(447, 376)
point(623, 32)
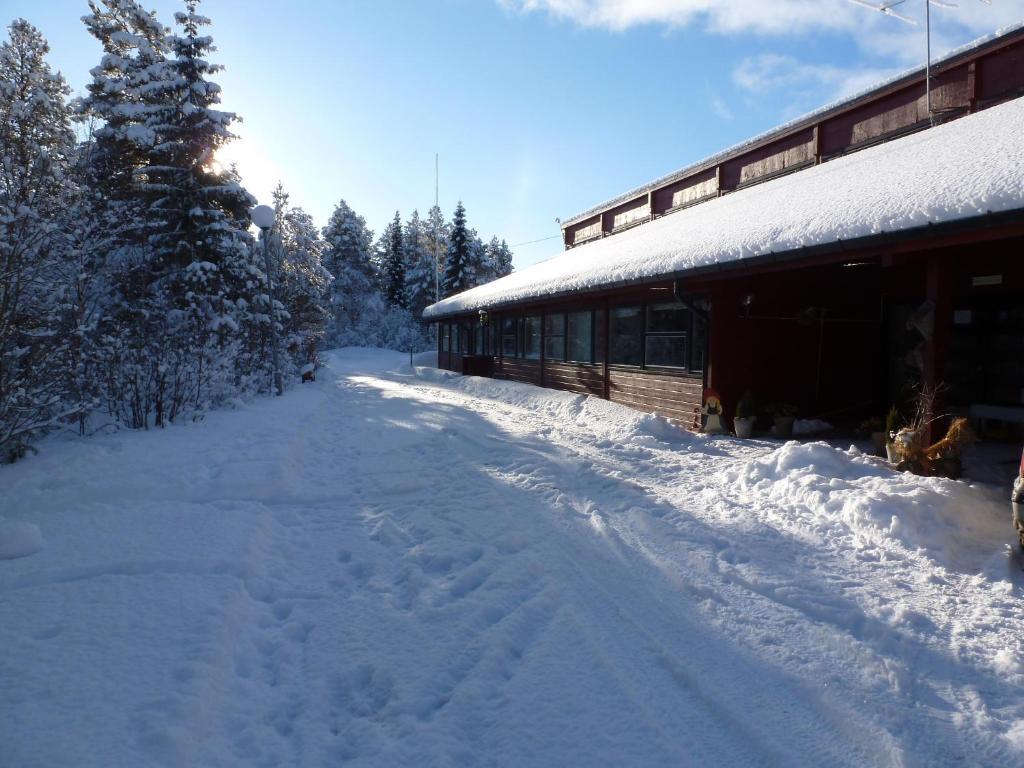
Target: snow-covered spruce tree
point(476, 268)
point(202, 290)
point(354, 296)
point(458, 255)
point(419, 265)
point(135, 44)
point(393, 262)
point(437, 233)
point(497, 259)
point(301, 282)
point(36, 142)
point(125, 339)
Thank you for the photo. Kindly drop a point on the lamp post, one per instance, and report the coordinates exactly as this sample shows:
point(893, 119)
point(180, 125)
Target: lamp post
point(484, 320)
point(263, 216)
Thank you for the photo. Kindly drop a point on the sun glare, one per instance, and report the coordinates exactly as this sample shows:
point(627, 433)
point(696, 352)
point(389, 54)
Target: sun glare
point(258, 174)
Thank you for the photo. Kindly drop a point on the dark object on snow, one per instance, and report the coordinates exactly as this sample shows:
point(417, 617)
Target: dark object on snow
point(1017, 502)
point(308, 372)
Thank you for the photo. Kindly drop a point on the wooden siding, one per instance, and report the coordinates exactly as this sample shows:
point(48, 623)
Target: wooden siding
point(1000, 75)
point(514, 369)
point(586, 230)
point(625, 214)
point(687, 191)
point(674, 396)
point(584, 378)
point(791, 152)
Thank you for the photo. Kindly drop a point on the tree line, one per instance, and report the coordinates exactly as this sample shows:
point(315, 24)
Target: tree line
point(132, 291)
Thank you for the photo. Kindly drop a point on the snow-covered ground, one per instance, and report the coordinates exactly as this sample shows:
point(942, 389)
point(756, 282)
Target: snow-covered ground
point(398, 566)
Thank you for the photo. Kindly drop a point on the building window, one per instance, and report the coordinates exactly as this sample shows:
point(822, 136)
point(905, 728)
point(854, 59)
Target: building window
point(579, 337)
point(467, 339)
point(554, 337)
point(600, 335)
point(508, 337)
point(531, 337)
point(626, 332)
point(668, 329)
point(699, 343)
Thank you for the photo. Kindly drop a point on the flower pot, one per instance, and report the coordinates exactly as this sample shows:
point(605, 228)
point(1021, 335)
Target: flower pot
point(784, 427)
point(878, 440)
point(744, 427)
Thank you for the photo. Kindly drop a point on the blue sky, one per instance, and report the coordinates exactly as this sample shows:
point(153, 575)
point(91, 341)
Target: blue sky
point(538, 108)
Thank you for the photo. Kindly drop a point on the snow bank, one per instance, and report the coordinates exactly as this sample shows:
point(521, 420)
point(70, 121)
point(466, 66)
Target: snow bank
point(965, 168)
point(19, 539)
point(614, 422)
point(857, 501)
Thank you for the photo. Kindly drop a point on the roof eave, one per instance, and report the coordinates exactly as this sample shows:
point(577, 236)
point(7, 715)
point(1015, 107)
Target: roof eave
point(1000, 220)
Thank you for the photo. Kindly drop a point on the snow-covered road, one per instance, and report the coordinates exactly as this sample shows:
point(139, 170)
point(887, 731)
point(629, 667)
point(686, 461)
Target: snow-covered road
point(396, 566)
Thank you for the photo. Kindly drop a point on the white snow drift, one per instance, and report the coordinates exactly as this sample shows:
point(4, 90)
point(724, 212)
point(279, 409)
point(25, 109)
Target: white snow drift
point(397, 566)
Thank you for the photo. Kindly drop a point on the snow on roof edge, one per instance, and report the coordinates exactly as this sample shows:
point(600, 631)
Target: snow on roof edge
point(960, 170)
point(786, 126)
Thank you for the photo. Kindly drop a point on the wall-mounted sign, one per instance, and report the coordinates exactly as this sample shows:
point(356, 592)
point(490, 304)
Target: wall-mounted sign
point(979, 280)
point(962, 317)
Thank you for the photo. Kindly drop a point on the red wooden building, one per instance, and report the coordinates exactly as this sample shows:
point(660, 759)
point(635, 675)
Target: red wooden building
point(833, 263)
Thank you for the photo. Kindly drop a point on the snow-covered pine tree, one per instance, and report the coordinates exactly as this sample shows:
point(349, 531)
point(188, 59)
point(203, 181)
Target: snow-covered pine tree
point(301, 282)
point(347, 255)
point(503, 262)
point(437, 232)
point(134, 45)
point(476, 269)
point(459, 257)
point(420, 268)
point(36, 143)
point(497, 261)
point(393, 262)
point(199, 279)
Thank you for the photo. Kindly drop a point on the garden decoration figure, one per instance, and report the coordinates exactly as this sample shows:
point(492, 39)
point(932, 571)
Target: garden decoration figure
point(712, 413)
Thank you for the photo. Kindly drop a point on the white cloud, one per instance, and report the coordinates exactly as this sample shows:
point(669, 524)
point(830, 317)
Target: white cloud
point(771, 71)
point(720, 108)
point(889, 45)
point(874, 32)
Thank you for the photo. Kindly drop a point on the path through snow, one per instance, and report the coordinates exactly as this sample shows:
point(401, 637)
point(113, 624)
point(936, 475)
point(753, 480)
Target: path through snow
point(403, 567)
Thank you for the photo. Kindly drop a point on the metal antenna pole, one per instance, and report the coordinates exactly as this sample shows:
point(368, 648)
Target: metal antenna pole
point(928, 57)
point(437, 233)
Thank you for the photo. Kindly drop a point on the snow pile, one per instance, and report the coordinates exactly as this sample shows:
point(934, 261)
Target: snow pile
point(856, 501)
point(614, 422)
point(19, 539)
point(962, 169)
point(810, 426)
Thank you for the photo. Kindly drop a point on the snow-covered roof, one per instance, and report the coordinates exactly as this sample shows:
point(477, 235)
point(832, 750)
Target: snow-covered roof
point(965, 168)
point(781, 130)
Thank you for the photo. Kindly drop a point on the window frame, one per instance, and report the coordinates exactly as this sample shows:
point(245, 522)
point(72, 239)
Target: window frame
point(549, 336)
point(592, 337)
point(525, 321)
point(689, 335)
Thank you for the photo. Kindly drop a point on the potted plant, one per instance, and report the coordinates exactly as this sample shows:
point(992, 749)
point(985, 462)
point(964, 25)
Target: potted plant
point(783, 414)
point(893, 421)
point(743, 420)
point(873, 428)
